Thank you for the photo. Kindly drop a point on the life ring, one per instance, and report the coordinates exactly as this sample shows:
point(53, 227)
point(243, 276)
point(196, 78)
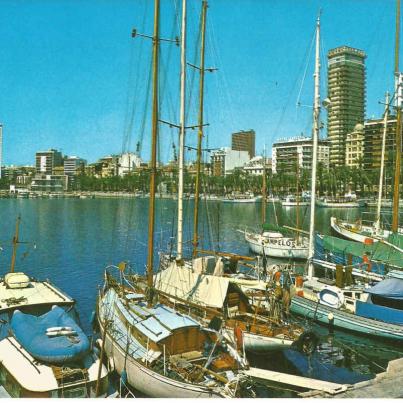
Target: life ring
point(238, 333)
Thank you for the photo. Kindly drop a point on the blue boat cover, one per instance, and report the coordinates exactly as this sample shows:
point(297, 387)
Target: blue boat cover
point(379, 312)
point(30, 332)
point(389, 288)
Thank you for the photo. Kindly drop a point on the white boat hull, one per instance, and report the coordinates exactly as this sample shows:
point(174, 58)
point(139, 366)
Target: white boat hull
point(294, 204)
point(276, 247)
point(360, 234)
point(330, 204)
point(251, 200)
point(259, 343)
point(147, 381)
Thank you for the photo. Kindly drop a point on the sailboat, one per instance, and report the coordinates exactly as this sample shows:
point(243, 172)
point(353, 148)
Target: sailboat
point(274, 240)
point(44, 352)
point(157, 350)
point(343, 303)
point(184, 281)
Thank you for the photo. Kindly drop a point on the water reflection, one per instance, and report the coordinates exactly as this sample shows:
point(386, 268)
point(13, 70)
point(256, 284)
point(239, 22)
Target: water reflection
point(76, 239)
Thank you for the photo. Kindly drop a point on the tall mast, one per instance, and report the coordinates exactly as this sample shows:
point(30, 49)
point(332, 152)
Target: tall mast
point(264, 187)
point(395, 217)
point(15, 244)
point(315, 137)
point(153, 167)
point(385, 129)
point(200, 131)
point(297, 197)
point(182, 132)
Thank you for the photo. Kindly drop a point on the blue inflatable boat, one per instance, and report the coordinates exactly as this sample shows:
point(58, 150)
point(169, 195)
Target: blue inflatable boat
point(52, 338)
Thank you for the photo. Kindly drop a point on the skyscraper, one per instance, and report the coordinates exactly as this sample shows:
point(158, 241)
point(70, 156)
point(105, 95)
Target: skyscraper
point(346, 91)
point(244, 141)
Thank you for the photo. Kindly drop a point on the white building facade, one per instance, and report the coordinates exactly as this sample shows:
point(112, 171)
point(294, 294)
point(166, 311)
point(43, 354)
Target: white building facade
point(255, 165)
point(225, 160)
point(286, 152)
point(127, 162)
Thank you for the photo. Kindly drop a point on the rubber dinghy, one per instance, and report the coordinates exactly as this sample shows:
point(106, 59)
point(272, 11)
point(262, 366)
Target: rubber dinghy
point(53, 337)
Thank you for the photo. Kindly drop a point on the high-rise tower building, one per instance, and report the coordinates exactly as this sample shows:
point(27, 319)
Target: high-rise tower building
point(346, 91)
point(244, 141)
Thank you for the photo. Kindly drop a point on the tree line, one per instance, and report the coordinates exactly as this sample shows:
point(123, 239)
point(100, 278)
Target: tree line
point(332, 182)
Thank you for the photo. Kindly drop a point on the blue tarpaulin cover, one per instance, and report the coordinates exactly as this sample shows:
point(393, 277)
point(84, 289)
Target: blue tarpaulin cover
point(30, 332)
point(388, 288)
point(379, 312)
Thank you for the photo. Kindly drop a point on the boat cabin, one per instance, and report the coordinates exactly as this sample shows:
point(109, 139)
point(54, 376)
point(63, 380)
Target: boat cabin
point(23, 376)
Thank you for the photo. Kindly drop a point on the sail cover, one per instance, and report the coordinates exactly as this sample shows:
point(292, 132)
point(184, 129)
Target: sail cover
point(390, 288)
point(32, 332)
point(202, 289)
point(336, 250)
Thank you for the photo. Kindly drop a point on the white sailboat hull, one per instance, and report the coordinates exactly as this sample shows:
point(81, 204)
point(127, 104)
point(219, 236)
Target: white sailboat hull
point(358, 235)
point(330, 204)
point(294, 204)
point(259, 343)
point(147, 381)
point(276, 247)
point(246, 200)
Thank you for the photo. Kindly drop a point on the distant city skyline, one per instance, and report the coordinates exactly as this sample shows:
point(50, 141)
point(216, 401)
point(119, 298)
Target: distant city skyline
point(72, 75)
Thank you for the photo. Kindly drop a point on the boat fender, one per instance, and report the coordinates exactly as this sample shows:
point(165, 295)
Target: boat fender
point(123, 377)
point(111, 363)
point(330, 318)
point(307, 342)
point(366, 261)
point(238, 337)
point(98, 343)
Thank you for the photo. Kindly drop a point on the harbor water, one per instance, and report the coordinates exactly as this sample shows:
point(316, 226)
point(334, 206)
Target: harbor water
point(71, 241)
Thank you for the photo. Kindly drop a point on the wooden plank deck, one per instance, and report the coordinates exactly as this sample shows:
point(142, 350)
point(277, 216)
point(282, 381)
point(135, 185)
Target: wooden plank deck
point(297, 381)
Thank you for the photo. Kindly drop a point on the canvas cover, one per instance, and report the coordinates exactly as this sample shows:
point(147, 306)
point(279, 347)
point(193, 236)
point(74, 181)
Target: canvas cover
point(389, 288)
point(202, 289)
point(378, 252)
point(379, 312)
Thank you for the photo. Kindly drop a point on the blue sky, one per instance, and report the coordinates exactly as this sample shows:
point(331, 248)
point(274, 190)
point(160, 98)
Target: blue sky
point(72, 78)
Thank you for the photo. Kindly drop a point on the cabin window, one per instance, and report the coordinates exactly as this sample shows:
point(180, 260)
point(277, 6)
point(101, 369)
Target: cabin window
point(348, 294)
